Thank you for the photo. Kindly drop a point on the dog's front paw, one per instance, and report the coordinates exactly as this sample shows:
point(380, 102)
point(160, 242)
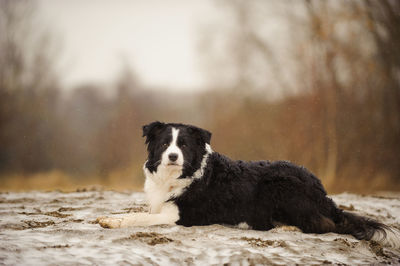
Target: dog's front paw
point(107, 222)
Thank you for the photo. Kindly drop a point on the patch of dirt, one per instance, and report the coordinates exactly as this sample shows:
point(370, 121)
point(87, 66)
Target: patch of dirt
point(345, 242)
point(151, 238)
point(347, 208)
point(16, 227)
point(57, 214)
point(30, 213)
point(55, 201)
point(144, 234)
point(13, 201)
point(37, 212)
point(73, 221)
point(68, 209)
point(258, 242)
point(56, 246)
point(139, 208)
point(159, 240)
point(397, 226)
point(377, 249)
point(35, 224)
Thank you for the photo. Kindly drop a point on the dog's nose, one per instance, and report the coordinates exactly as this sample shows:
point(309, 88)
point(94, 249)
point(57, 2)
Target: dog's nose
point(173, 157)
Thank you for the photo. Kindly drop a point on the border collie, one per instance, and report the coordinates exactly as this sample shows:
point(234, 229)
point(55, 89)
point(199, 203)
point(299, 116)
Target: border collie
point(188, 184)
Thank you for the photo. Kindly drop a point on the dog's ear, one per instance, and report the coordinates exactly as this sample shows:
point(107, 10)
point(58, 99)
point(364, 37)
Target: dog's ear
point(206, 136)
point(202, 134)
point(150, 130)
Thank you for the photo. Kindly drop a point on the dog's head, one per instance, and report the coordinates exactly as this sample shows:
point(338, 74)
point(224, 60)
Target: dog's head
point(175, 146)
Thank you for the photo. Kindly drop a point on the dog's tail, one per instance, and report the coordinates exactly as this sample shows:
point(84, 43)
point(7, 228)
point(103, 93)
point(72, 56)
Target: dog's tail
point(368, 229)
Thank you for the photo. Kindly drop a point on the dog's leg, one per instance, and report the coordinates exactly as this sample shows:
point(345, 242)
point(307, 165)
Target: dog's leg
point(169, 215)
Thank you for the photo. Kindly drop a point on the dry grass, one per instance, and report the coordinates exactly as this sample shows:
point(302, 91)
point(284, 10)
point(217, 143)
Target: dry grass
point(132, 179)
point(57, 180)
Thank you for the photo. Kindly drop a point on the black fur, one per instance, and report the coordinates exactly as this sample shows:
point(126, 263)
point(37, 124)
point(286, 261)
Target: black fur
point(260, 193)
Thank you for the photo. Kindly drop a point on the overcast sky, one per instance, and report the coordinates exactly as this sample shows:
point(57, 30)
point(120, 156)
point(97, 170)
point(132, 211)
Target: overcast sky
point(158, 39)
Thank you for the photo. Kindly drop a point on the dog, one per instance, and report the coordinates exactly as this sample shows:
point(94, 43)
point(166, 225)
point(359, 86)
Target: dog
point(189, 184)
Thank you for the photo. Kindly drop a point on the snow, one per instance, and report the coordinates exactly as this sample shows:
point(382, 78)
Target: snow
point(42, 228)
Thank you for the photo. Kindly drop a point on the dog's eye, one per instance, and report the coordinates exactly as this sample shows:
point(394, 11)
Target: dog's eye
point(183, 145)
point(165, 144)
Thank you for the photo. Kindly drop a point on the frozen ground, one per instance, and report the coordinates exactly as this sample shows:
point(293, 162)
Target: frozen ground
point(58, 228)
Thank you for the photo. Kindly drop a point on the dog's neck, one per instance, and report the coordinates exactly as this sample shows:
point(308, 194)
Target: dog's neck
point(164, 183)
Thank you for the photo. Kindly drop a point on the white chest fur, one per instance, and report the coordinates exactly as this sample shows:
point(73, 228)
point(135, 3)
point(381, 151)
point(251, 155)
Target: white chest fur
point(162, 185)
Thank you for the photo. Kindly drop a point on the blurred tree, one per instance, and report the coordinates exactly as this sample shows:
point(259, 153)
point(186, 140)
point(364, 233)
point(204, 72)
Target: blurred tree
point(86, 110)
point(339, 71)
point(116, 141)
point(383, 22)
point(28, 91)
point(347, 68)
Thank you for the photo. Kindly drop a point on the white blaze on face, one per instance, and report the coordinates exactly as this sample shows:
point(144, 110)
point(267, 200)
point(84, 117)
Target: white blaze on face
point(173, 149)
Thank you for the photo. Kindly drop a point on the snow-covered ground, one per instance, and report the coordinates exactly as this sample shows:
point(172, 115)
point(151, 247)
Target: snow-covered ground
point(40, 228)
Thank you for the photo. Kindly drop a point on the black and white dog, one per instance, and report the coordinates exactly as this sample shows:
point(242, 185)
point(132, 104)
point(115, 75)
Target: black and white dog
point(187, 183)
